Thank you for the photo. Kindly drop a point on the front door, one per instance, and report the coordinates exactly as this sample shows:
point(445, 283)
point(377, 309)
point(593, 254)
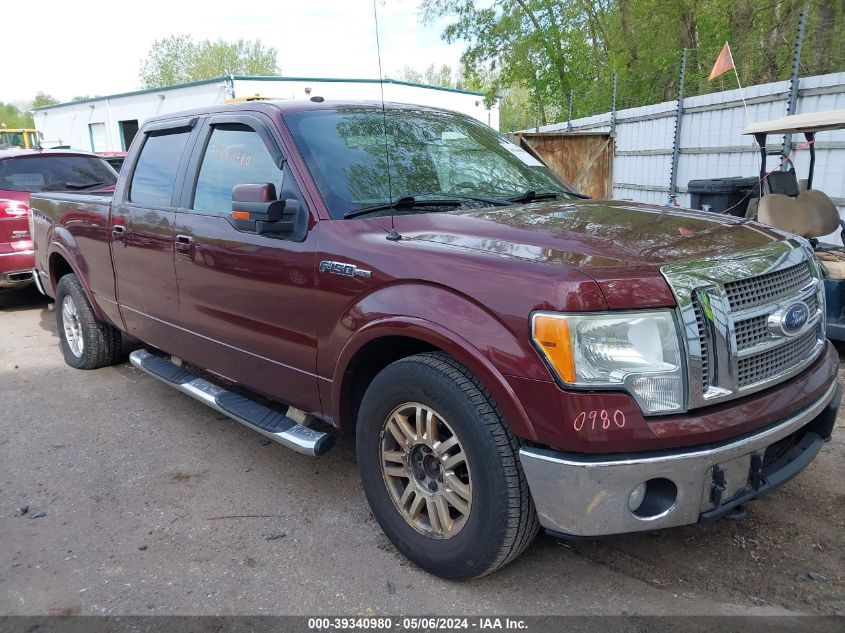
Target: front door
point(142, 236)
point(247, 299)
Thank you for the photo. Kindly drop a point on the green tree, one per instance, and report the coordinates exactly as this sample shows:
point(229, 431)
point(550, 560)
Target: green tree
point(433, 76)
point(178, 59)
point(11, 116)
point(541, 45)
point(42, 99)
point(537, 51)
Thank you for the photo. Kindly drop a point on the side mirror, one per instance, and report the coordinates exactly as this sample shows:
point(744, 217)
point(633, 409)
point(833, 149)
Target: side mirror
point(255, 209)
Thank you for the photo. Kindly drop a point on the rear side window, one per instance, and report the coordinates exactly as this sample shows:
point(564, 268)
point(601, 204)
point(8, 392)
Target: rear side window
point(55, 173)
point(235, 155)
point(155, 172)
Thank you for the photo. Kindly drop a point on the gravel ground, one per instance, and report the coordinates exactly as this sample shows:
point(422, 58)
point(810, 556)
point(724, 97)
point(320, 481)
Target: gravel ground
point(139, 500)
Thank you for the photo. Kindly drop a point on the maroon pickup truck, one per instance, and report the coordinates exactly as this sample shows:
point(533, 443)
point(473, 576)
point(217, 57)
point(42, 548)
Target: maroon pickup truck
point(508, 354)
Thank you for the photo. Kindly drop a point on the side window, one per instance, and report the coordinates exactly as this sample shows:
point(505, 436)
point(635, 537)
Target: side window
point(155, 172)
point(235, 155)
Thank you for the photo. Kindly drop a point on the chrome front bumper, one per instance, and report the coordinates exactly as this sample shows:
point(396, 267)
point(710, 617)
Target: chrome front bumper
point(583, 495)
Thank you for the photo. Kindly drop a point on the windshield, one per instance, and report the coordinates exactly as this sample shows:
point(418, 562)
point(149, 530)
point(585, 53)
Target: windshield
point(55, 173)
point(432, 154)
point(15, 139)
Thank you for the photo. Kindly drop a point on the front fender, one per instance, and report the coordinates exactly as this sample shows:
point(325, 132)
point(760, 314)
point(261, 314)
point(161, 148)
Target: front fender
point(486, 345)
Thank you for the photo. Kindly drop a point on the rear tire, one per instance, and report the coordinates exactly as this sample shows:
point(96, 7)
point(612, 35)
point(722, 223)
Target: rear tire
point(86, 342)
point(485, 517)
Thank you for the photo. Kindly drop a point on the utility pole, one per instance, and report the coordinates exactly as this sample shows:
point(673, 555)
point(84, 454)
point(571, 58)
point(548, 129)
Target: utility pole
point(792, 105)
point(676, 143)
point(613, 104)
point(569, 116)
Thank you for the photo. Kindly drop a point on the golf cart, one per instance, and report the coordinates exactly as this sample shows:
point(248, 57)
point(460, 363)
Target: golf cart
point(793, 205)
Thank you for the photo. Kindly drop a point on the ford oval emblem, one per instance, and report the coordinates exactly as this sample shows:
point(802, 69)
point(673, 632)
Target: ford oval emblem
point(793, 318)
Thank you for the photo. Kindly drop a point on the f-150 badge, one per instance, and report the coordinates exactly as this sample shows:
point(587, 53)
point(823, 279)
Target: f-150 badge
point(341, 268)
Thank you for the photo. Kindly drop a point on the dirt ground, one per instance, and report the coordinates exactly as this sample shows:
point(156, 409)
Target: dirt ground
point(119, 495)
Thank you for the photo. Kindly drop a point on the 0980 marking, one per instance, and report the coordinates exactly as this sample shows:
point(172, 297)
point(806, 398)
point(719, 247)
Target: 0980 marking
point(601, 417)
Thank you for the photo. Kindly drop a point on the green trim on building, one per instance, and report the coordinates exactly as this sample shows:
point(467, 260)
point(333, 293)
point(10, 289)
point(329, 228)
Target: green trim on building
point(353, 80)
point(133, 93)
point(350, 80)
point(91, 136)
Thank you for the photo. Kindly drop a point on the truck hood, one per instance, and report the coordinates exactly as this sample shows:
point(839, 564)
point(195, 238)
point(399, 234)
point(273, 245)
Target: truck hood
point(621, 245)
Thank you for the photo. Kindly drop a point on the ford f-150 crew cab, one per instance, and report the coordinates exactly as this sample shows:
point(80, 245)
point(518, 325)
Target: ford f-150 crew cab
point(508, 354)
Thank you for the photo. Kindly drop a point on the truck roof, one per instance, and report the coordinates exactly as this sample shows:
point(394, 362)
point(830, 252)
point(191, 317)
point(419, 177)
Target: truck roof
point(273, 107)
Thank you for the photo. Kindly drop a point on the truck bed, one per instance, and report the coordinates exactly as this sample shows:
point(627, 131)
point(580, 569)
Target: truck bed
point(75, 222)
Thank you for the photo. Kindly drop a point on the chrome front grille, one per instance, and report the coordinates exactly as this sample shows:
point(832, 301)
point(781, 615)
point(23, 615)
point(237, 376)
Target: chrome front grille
point(773, 362)
point(753, 331)
point(730, 307)
point(702, 341)
point(748, 293)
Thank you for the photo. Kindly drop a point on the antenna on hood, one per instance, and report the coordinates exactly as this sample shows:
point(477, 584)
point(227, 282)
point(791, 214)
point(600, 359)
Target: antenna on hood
point(393, 234)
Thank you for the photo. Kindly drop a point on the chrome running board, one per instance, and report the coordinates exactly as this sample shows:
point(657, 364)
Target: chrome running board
point(270, 423)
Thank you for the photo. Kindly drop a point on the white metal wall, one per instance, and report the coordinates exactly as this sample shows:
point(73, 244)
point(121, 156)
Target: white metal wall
point(69, 124)
point(290, 88)
point(712, 143)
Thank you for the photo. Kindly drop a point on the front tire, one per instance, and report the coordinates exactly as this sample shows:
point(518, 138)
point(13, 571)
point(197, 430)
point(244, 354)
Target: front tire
point(441, 468)
point(86, 342)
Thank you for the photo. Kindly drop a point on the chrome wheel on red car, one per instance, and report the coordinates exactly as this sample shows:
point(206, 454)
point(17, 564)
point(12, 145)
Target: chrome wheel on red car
point(426, 470)
point(73, 331)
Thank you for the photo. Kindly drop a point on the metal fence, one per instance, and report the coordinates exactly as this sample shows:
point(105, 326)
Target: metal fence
point(660, 147)
point(709, 141)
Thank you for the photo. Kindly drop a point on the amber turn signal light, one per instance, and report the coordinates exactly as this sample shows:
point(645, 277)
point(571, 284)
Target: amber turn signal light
point(551, 333)
point(240, 215)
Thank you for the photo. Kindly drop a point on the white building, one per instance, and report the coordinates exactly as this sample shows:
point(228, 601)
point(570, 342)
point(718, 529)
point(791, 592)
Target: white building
point(109, 123)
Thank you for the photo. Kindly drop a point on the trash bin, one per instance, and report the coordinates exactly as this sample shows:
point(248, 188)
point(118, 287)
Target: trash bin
point(721, 194)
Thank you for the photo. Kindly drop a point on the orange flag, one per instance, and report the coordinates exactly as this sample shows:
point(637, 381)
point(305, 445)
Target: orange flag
point(723, 64)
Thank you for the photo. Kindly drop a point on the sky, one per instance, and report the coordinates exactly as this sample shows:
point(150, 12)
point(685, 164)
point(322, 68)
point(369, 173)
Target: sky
point(95, 47)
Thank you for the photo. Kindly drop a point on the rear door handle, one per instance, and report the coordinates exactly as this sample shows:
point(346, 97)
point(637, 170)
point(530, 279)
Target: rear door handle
point(185, 247)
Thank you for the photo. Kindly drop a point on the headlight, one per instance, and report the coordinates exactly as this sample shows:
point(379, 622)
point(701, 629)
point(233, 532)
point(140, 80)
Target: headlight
point(636, 351)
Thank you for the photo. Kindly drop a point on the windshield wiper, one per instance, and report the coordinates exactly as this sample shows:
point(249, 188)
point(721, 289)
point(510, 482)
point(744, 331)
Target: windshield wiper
point(75, 186)
point(530, 196)
point(405, 202)
point(496, 202)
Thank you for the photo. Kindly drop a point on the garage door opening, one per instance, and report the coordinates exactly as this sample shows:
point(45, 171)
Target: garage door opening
point(128, 130)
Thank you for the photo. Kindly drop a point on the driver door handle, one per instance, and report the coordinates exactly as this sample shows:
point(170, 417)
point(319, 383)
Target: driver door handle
point(185, 248)
point(118, 232)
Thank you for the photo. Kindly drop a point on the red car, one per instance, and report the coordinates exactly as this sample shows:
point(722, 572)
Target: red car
point(23, 172)
point(115, 159)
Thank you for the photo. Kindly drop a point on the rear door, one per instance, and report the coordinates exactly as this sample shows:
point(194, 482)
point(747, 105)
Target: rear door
point(142, 233)
point(247, 299)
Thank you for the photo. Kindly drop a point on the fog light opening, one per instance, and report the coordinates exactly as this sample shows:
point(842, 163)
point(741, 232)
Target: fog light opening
point(635, 500)
point(658, 497)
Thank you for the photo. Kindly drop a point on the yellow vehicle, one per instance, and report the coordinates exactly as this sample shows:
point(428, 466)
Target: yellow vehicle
point(255, 97)
point(24, 138)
